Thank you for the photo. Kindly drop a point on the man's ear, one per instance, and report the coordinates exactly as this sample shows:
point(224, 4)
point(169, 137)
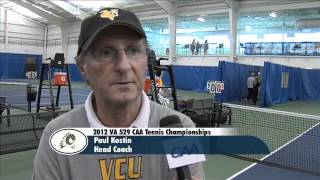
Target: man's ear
point(82, 67)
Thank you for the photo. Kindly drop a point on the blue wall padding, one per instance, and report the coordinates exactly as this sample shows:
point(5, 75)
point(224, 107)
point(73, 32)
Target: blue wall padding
point(13, 65)
point(3, 66)
point(310, 88)
point(75, 73)
point(303, 84)
point(73, 70)
point(272, 91)
point(235, 78)
point(192, 77)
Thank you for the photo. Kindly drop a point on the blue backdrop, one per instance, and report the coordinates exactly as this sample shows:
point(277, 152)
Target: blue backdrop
point(13, 65)
point(192, 78)
point(75, 73)
point(234, 75)
point(283, 83)
point(280, 83)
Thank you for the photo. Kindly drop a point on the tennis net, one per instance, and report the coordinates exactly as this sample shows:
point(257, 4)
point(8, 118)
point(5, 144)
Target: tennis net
point(15, 93)
point(21, 132)
point(293, 138)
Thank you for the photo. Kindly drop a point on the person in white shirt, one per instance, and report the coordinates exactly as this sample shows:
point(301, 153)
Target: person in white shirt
point(250, 84)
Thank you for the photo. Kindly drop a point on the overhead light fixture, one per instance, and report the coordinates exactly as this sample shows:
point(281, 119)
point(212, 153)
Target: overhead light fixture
point(78, 10)
point(95, 5)
point(201, 19)
point(20, 10)
point(273, 14)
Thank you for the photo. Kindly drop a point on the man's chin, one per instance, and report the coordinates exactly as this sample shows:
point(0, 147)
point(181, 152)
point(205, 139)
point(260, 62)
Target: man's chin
point(124, 98)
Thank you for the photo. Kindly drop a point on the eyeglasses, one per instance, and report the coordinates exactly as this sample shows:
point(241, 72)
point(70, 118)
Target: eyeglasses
point(110, 54)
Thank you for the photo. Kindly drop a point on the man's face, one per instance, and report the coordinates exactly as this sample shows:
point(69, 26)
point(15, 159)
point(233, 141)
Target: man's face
point(120, 79)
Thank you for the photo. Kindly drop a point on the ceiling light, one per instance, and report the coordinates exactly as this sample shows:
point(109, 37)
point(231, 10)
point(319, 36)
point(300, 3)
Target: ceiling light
point(94, 5)
point(201, 19)
point(273, 14)
point(23, 11)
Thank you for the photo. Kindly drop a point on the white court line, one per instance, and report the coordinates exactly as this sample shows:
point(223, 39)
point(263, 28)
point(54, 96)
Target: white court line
point(49, 103)
point(12, 90)
point(15, 96)
point(13, 83)
point(78, 94)
point(273, 152)
point(25, 96)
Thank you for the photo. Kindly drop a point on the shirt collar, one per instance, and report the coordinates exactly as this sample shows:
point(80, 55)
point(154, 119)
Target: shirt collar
point(141, 121)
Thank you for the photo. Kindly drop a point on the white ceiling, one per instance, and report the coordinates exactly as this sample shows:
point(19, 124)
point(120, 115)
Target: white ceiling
point(55, 12)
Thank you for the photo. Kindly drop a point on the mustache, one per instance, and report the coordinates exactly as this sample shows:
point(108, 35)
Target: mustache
point(124, 79)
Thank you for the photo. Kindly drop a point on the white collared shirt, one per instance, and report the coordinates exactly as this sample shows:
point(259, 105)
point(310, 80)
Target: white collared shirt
point(141, 121)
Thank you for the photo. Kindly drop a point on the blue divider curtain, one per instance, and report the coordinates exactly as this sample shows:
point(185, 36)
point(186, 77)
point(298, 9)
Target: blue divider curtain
point(310, 84)
point(12, 66)
point(283, 83)
point(280, 83)
point(192, 78)
point(75, 73)
point(234, 75)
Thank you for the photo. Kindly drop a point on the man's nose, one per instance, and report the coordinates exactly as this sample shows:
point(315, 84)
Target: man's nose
point(122, 62)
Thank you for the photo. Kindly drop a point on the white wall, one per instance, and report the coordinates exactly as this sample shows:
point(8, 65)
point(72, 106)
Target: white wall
point(24, 35)
point(54, 41)
point(74, 31)
point(293, 61)
point(198, 60)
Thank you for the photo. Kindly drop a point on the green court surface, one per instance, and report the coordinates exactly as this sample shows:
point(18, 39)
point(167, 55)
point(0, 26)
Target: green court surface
point(19, 166)
point(218, 167)
point(305, 107)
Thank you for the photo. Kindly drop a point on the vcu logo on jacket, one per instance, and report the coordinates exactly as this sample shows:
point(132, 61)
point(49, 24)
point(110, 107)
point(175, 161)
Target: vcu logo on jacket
point(121, 168)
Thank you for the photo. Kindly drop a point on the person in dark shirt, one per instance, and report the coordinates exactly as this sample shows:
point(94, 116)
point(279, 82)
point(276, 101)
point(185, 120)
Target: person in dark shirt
point(198, 46)
point(205, 47)
point(193, 46)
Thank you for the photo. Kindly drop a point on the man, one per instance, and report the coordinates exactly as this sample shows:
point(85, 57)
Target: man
point(193, 46)
point(259, 83)
point(205, 47)
point(250, 85)
point(112, 57)
point(198, 47)
point(255, 90)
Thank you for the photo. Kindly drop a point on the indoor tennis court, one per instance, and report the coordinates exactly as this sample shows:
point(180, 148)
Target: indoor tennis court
point(249, 65)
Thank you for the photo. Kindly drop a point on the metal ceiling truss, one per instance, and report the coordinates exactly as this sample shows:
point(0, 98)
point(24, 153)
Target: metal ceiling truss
point(154, 9)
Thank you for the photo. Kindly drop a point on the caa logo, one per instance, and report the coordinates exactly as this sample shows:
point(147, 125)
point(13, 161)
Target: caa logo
point(68, 141)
